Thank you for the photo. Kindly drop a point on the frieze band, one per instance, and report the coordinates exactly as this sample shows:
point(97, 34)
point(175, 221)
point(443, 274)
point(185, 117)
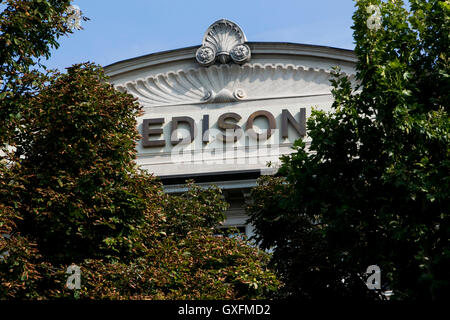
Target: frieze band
point(228, 123)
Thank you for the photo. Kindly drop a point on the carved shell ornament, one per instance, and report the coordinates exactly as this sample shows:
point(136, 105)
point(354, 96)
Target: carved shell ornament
point(228, 78)
point(224, 41)
point(225, 83)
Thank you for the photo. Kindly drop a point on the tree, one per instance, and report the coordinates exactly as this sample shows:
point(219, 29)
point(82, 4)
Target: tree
point(188, 261)
point(28, 31)
point(78, 197)
point(373, 186)
point(70, 191)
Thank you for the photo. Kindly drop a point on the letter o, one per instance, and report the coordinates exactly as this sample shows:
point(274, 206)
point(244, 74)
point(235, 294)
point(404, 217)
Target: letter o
point(261, 136)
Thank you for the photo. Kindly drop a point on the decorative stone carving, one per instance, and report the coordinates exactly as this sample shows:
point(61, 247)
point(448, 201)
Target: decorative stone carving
point(229, 83)
point(224, 96)
point(205, 56)
point(223, 41)
point(240, 53)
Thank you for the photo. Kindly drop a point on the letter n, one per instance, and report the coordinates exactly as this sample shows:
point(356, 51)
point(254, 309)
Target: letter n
point(287, 118)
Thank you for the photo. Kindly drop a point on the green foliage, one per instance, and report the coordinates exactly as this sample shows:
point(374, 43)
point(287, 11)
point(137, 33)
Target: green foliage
point(194, 210)
point(76, 151)
point(373, 186)
point(198, 266)
point(72, 194)
point(28, 31)
point(70, 191)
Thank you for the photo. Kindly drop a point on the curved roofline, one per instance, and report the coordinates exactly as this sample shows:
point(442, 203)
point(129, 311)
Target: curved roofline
point(283, 48)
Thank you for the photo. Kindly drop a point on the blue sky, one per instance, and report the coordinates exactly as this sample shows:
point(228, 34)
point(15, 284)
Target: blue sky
point(121, 30)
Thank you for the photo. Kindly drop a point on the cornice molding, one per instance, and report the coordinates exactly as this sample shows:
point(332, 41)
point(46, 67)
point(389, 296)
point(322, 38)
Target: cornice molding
point(258, 49)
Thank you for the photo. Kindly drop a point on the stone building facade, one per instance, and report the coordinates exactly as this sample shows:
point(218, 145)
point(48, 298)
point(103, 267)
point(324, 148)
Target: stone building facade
point(220, 112)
